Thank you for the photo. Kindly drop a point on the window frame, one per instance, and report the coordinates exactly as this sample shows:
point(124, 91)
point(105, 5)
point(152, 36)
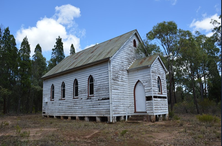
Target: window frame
point(63, 91)
point(52, 92)
point(74, 89)
point(159, 85)
point(89, 86)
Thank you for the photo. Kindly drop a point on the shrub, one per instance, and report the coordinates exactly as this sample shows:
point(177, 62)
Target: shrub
point(123, 132)
point(171, 114)
point(207, 106)
point(186, 106)
point(207, 118)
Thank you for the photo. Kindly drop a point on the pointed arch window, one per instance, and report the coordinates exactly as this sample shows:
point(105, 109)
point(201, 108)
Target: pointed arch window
point(63, 90)
point(134, 43)
point(52, 92)
point(90, 86)
point(75, 89)
point(159, 85)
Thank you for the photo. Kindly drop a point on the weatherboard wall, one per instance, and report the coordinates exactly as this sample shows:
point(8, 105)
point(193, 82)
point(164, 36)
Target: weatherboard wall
point(121, 98)
point(160, 105)
point(82, 106)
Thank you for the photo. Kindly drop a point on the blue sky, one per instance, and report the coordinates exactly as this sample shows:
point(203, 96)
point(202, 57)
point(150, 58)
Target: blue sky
point(88, 22)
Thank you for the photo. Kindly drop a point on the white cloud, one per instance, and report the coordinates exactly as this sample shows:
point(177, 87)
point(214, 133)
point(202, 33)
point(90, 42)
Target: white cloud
point(204, 15)
point(90, 46)
point(66, 14)
point(204, 24)
point(217, 7)
point(198, 9)
point(173, 2)
point(48, 29)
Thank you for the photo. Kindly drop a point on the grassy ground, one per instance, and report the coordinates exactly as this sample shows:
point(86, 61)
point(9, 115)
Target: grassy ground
point(37, 130)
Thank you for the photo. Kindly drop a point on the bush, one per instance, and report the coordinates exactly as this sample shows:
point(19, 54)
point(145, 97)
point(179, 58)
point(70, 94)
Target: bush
point(207, 118)
point(186, 106)
point(207, 106)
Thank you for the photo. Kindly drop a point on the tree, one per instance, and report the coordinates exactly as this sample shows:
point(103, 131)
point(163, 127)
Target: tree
point(8, 65)
point(24, 76)
point(38, 70)
point(72, 49)
point(57, 53)
point(171, 39)
point(147, 49)
point(217, 31)
point(190, 58)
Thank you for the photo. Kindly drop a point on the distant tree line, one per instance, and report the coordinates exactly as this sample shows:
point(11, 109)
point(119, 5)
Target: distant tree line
point(192, 60)
point(20, 74)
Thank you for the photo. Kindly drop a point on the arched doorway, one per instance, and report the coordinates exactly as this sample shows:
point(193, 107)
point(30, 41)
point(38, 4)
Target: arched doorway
point(139, 97)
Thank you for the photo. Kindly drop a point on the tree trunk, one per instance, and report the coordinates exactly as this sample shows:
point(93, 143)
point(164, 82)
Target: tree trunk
point(194, 95)
point(4, 105)
point(19, 102)
point(174, 90)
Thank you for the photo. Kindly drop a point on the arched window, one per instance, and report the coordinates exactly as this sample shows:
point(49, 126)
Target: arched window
point(134, 43)
point(52, 92)
point(75, 89)
point(90, 86)
point(63, 90)
point(159, 86)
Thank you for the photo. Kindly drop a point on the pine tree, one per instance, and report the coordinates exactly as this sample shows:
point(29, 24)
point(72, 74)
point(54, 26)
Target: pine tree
point(8, 65)
point(57, 53)
point(38, 70)
point(72, 49)
point(24, 76)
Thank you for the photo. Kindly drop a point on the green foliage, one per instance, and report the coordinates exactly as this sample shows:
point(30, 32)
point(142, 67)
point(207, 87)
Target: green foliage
point(175, 117)
point(57, 53)
point(171, 114)
point(72, 49)
point(208, 118)
point(123, 132)
point(17, 130)
point(147, 49)
point(186, 106)
point(24, 74)
point(25, 134)
point(38, 70)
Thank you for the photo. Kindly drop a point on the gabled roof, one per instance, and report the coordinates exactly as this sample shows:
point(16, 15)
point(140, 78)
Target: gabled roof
point(146, 62)
point(90, 56)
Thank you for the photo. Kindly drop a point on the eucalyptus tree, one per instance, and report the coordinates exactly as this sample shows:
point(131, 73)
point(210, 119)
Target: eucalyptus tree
point(171, 39)
point(57, 53)
point(24, 74)
point(72, 49)
point(8, 66)
point(38, 70)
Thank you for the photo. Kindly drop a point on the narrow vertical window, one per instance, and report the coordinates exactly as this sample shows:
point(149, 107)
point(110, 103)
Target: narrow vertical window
point(63, 90)
point(134, 43)
point(52, 92)
point(75, 89)
point(90, 86)
point(159, 85)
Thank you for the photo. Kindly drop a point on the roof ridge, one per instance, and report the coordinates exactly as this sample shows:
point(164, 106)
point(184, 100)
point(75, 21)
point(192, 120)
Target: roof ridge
point(105, 41)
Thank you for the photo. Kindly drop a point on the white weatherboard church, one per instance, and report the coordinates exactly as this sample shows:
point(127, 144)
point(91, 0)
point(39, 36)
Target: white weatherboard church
point(106, 82)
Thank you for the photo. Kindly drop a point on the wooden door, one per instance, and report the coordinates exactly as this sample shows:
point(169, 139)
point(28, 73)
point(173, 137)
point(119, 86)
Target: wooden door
point(139, 97)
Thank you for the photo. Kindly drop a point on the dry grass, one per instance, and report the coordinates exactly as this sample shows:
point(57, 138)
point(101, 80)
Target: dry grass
point(36, 130)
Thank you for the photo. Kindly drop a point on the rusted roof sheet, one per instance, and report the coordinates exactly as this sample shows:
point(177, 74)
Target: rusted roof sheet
point(144, 62)
point(92, 54)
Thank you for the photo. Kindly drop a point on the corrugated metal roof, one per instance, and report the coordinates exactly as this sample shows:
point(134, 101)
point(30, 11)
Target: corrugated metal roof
point(92, 54)
point(144, 62)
